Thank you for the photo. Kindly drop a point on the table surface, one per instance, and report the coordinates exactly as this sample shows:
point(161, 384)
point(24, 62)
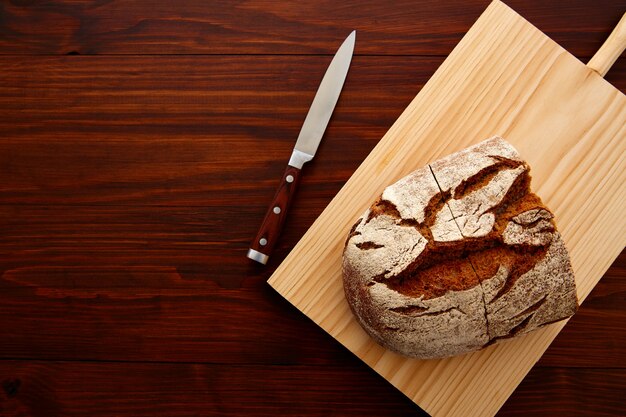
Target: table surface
point(140, 143)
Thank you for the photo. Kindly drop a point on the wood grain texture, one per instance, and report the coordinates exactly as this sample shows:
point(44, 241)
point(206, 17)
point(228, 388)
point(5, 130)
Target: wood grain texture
point(185, 131)
point(72, 275)
point(86, 389)
point(424, 27)
point(131, 182)
point(610, 50)
point(79, 389)
point(505, 78)
point(190, 131)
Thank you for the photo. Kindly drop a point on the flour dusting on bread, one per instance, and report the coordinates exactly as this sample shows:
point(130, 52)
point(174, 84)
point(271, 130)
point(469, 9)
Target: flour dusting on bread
point(458, 255)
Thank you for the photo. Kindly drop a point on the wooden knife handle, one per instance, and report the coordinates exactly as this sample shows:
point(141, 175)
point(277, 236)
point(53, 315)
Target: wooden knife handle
point(265, 240)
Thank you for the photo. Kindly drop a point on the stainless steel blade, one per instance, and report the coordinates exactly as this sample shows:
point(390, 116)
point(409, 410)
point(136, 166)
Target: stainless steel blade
point(309, 139)
point(323, 104)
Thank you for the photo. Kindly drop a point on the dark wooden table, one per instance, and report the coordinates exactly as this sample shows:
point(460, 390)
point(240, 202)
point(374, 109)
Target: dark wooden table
point(139, 145)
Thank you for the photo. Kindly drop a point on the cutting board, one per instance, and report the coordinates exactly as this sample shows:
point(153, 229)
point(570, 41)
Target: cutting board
point(504, 78)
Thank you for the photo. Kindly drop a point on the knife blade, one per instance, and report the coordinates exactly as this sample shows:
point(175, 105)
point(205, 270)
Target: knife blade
point(306, 146)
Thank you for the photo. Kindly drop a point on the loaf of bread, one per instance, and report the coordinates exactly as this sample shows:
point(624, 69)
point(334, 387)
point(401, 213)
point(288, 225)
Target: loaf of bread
point(458, 255)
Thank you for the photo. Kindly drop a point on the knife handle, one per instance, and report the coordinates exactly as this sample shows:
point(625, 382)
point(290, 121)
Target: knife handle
point(267, 236)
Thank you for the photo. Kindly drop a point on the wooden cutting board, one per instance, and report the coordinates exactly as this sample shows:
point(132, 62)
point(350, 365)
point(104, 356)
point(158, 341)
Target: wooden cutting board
point(504, 78)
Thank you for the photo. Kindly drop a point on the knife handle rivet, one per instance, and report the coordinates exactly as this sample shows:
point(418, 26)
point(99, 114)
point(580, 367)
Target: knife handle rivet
point(289, 178)
point(276, 210)
point(263, 241)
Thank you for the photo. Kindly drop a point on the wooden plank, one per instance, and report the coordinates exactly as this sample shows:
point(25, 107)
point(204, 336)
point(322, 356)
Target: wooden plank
point(141, 389)
point(505, 77)
point(212, 27)
point(153, 313)
point(184, 131)
point(188, 390)
point(210, 240)
point(72, 276)
point(150, 322)
point(144, 283)
point(176, 130)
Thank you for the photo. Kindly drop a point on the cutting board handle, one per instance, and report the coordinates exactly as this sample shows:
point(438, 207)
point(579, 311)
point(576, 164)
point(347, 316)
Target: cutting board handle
point(610, 50)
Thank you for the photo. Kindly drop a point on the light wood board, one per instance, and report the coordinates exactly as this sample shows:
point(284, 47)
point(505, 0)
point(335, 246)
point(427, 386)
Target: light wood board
point(504, 78)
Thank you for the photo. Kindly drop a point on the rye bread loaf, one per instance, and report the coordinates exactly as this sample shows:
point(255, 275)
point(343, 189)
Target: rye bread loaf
point(456, 256)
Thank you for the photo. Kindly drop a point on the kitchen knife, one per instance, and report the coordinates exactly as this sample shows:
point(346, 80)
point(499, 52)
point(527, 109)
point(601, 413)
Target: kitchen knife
point(308, 140)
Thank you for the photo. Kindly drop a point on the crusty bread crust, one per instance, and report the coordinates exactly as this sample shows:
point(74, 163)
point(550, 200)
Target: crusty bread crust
point(458, 255)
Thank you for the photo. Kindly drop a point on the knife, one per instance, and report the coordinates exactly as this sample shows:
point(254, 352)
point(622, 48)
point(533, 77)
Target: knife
point(308, 140)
